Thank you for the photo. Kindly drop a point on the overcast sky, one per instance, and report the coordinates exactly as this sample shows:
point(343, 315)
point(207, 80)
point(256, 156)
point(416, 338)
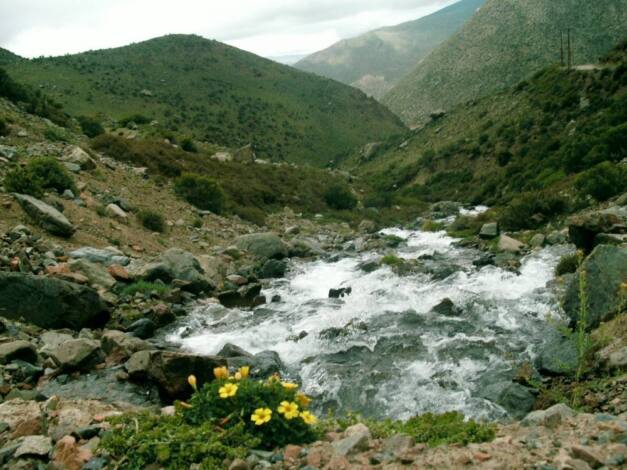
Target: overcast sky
point(270, 28)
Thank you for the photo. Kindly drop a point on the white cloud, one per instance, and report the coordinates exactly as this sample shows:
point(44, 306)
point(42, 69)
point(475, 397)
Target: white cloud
point(266, 27)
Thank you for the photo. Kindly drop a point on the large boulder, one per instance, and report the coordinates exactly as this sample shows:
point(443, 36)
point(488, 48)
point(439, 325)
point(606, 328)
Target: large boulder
point(50, 303)
point(80, 354)
point(96, 273)
point(558, 356)
point(105, 256)
point(509, 244)
point(178, 264)
point(46, 216)
point(263, 245)
point(586, 229)
point(489, 231)
point(20, 350)
point(605, 275)
point(169, 370)
point(516, 399)
point(77, 156)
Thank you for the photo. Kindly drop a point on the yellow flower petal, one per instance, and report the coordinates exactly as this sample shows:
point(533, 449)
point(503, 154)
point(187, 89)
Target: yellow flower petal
point(308, 418)
point(303, 399)
point(289, 385)
point(221, 372)
point(244, 371)
point(288, 409)
point(227, 391)
point(261, 416)
point(191, 380)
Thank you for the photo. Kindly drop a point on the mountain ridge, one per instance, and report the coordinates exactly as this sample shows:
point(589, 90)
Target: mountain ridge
point(375, 61)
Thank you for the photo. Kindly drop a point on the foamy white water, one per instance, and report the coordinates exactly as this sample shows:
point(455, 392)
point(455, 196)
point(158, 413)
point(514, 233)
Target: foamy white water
point(381, 351)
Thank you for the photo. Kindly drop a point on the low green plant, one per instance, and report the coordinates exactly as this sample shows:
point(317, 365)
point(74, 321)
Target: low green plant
point(583, 340)
point(251, 214)
point(55, 136)
point(391, 260)
point(38, 175)
point(151, 220)
point(138, 441)
point(431, 226)
point(531, 210)
point(4, 128)
point(201, 191)
point(340, 197)
point(273, 411)
point(602, 181)
point(145, 287)
point(90, 126)
point(188, 145)
point(568, 264)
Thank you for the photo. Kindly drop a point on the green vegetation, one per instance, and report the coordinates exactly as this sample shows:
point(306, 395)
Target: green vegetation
point(340, 197)
point(375, 61)
point(510, 40)
point(39, 174)
point(33, 102)
point(538, 148)
point(90, 126)
point(151, 220)
point(431, 429)
point(391, 260)
point(582, 335)
point(4, 128)
point(603, 181)
point(201, 192)
point(568, 264)
point(138, 441)
point(144, 287)
point(273, 411)
point(215, 93)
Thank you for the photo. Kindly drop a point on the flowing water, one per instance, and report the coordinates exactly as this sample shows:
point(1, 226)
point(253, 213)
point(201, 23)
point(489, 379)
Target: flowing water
point(381, 351)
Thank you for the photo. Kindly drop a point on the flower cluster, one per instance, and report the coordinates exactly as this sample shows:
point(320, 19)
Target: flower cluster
point(274, 410)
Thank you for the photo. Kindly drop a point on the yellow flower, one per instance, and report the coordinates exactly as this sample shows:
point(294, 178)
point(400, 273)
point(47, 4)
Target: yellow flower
point(288, 409)
point(289, 385)
point(303, 399)
point(274, 378)
point(261, 416)
point(244, 371)
point(221, 373)
point(228, 390)
point(308, 418)
point(191, 380)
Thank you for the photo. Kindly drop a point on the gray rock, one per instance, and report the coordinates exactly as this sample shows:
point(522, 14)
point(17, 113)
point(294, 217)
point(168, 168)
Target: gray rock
point(52, 340)
point(583, 228)
point(446, 308)
point(50, 303)
point(22, 350)
point(34, 446)
point(605, 272)
point(516, 399)
point(116, 212)
point(231, 350)
point(550, 418)
point(489, 230)
point(557, 238)
point(106, 256)
point(357, 442)
point(537, 241)
point(77, 156)
point(398, 444)
point(507, 243)
point(558, 357)
point(170, 370)
point(78, 354)
point(263, 245)
point(143, 328)
point(618, 359)
point(273, 268)
point(8, 152)
point(96, 273)
point(178, 264)
point(46, 216)
point(121, 345)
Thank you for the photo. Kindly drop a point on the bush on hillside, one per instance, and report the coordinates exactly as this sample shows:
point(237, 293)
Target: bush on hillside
point(602, 181)
point(135, 118)
point(567, 264)
point(151, 220)
point(201, 191)
point(38, 175)
point(91, 127)
point(251, 214)
point(340, 197)
point(4, 128)
point(189, 146)
point(531, 210)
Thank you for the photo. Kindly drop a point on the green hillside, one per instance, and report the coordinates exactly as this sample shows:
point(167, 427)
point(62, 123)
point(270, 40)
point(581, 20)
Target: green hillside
point(7, 57)
point(554, 139)
point(503, 43)
point(215, 93)
point(376, 61)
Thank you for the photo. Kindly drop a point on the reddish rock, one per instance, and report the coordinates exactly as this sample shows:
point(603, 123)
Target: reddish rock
point(68, 455)
point(481, 456)
point(119, 273)
point(292, 452)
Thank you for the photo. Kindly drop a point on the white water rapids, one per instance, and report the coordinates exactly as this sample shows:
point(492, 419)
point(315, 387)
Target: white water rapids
point(380, 351)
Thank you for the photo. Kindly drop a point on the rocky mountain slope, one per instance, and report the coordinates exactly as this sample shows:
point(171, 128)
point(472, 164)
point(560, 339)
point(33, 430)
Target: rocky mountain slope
point(503, 43)
point(376, 61)
point(215, 93)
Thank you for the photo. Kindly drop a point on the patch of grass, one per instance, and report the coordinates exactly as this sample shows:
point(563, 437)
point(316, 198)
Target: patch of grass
point(39, 174)
point(151, 220)
point(392, 260)
point(603, 181)
point(251, 214)
point(138, 441)
point(90, 126)
point(55, 136)
point(568, 264)
point(201, 191)
point(340, 197)
point(431, 226)
point(144, 287)
point(4, 128)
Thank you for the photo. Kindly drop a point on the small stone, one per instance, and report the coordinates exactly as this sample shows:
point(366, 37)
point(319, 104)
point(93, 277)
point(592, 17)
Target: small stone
point(37, 446)
point(489, 231)
point(292, 452)
point(239, 464)
point(588, 455)
point(20, 349)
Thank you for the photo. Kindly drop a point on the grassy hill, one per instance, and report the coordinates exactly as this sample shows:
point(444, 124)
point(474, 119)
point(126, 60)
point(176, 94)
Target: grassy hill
point(7, 57)
point(376, 61)
point(215, 93)
point(550, 142)
point(503, 43)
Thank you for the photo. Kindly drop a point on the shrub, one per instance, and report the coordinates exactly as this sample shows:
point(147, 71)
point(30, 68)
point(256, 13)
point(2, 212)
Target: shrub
point(39, 174)
point(602, 181)
point(379, 200)
point(136, 118)
point(531, 210)
point(90, 126)
point(340, 197)
point(4, 128)
point(151, 220)
point(189, 146)
point(251, 214)
point(391, 260)
point(567, 264)
point(273, 411)
point(54, 136)
point(144, 440)
point(201, 191)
